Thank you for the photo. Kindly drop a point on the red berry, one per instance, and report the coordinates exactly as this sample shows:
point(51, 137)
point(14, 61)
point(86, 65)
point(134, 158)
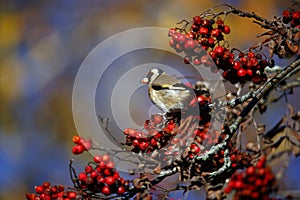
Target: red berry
point(285, 13)
point(88, 169)
point(227, 190)
point(89, 180)
point(203, 41)
point(60, 188)
point(97, 158)
point(251, 54)
point(236, 65)
point(197, 61)
point(215, 32)
point(53, 189)
point(30, 196)
point(72, 195)
point(107, 172)
point(189, 44)
point(190, 35)
point(252, 62)
point(94, 174)
point(116, 175)
point(219, 51)
point(76, 139)
point(45, 197)
point(153, 142)
point(242, 72)
point(178, 48)
point(172, 31)
point(170, 126)
point(220, 22)
point(255, 195)
point(46, 185)
point(203, 31)
point(296, 15)
point(197, 20)
point(121, 181)
point(194, 148)
point(39, 189)
point(195, 28)
point(106, 158)
point(172, 42)
point(211, 42)
point(121, 190)
point(135, 143)
point(105, 190)
point(82, 177)
point(186, 60)
point(226, 29)
point(233, 165)
point(110, 180)
point(256, 79)
point(249, 72)
point(157, 119)
point(78, 149)
point(206, 23)
point(143, 145)
point(102, 166)
point(250, 171)
point(258, 182)
point(100, 179)
point(181, 38)
point(129, 131)
point(110, 165)
point(261, 162)
point(238, 185)
point(261, 172)
point(233, 157)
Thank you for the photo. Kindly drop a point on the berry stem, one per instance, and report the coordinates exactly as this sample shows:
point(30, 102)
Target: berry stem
point(259, 94)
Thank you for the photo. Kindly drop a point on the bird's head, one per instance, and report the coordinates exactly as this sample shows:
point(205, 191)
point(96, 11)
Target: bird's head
point(152, 75)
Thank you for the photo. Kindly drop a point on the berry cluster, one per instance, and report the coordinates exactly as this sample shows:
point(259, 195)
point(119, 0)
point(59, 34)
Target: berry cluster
point(256, 182)
point(202, 101)
point(202, 138)
point(82, 144)
point(247, 67)
point(205, 35)
point(157, 136)
point(292, 17)
point(48, 192)
point(100, 176)
point(239, 159)
point(202, 35)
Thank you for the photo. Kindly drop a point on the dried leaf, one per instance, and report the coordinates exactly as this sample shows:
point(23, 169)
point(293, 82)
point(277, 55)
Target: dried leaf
point(286, 139)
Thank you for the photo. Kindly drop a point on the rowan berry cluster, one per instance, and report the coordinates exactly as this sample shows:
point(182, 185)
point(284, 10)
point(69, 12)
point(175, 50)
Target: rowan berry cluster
point(256, 182)
point(247, 67)
point(157, 136)
point(46, 191)
point(81, 144)
point(205, 36)
point(100, 176)
point(292, 17)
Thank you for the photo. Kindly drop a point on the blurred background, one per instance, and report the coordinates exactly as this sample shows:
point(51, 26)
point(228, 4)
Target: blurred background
point(42, 44)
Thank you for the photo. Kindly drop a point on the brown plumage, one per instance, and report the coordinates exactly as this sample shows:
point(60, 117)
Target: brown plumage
point(165, 91)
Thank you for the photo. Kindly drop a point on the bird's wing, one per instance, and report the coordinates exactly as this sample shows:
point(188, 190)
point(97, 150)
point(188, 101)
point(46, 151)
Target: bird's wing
point(168, 82)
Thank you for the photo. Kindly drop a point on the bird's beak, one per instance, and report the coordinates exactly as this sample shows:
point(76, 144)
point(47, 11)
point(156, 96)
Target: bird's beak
point(145, 81)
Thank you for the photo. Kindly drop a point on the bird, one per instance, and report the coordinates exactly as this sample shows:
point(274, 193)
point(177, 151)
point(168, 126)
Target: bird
point(167, 92)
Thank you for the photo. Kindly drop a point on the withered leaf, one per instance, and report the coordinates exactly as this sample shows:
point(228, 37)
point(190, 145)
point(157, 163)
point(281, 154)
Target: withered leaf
point(286, 139)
